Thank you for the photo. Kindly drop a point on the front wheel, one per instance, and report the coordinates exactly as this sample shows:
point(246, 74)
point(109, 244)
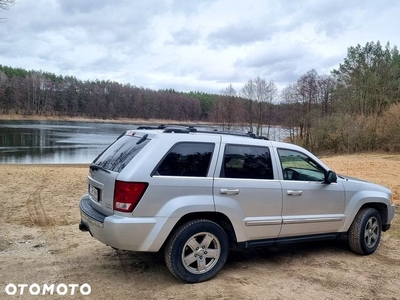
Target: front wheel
point(197, 251)
point(365, 232)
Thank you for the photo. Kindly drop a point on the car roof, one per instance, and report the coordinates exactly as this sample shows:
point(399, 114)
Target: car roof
point(193, 130)
point(226, 135)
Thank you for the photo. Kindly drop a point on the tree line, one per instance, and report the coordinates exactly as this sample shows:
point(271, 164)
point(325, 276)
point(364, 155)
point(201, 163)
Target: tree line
point(355, 108)
point(42, 93)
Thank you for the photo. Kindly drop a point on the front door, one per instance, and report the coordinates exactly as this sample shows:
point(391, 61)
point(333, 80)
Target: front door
point(310, 206)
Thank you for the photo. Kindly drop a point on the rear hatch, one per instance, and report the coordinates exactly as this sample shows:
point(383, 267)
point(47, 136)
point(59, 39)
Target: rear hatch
point(106, 167)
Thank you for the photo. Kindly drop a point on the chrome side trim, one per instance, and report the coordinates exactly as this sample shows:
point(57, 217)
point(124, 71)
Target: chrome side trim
point(263, 222)
point(313, 220)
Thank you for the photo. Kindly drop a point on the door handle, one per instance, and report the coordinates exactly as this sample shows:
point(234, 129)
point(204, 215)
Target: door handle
point(229, 192)
point(294, 193)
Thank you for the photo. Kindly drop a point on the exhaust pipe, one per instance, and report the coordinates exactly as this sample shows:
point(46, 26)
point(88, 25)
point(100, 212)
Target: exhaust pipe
point(83, 227)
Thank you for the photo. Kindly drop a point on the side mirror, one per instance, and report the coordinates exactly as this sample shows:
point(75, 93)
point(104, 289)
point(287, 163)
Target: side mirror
point(330, 177)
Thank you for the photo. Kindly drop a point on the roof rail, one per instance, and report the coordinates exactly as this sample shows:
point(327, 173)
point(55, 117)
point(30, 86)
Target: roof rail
point(235, 133)
point(176, 130)
point(143, 127)
point(189, 129)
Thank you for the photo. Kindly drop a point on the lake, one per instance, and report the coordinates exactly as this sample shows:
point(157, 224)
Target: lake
point(55, 142)
point(60, 142)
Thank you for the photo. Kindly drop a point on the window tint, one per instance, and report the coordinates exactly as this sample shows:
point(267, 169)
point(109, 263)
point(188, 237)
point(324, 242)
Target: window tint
point(298, 166)
point(121, 152)
point(241, 161)
point(187, 159)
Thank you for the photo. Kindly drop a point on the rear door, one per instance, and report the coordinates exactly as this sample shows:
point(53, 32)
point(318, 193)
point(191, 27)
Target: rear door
point(181, 181)
point(247, 191)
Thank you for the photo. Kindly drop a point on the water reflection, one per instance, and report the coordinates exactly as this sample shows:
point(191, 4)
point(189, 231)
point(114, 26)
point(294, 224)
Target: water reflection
point(41, 142)
point(69, 142)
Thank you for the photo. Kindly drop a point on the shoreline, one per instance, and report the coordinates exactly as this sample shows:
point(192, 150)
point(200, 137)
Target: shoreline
point(18, 117)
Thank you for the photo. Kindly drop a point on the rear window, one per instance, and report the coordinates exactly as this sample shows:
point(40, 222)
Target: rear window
point(250, 162)
point(187, 159)
point(121, 152)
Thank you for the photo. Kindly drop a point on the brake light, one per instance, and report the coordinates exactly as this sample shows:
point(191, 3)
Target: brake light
point(128, 194)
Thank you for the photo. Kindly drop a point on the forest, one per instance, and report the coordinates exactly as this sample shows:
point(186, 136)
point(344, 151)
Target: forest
point(356, 108)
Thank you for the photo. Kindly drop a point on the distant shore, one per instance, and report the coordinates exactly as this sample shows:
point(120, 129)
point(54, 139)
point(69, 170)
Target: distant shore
point(15, 117)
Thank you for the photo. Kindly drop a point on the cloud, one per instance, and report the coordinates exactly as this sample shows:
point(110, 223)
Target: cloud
point(78, 6)
point(193, 44)
point(185, 37)
point(237, 35)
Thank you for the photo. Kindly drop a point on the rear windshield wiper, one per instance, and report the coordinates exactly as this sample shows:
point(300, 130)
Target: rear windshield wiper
point(94, 167)
point(142, 139)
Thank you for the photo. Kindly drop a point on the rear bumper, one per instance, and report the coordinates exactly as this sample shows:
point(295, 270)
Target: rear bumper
point(126, 233)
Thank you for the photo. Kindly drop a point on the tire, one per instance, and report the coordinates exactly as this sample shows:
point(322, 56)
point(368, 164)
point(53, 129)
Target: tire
point(196, 251)
point(365, 231)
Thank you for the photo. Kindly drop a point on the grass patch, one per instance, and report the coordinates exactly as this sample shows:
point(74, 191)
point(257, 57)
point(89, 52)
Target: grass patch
point(392, 157)
point(394, 230)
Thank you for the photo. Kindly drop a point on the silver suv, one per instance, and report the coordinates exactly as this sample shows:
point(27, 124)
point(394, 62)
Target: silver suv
point(195, 194)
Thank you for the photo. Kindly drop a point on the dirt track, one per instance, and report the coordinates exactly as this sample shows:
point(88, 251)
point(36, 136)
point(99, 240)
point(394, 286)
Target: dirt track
point(40, 243)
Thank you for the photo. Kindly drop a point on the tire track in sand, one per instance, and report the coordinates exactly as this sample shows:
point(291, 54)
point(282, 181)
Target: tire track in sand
point(36, 211)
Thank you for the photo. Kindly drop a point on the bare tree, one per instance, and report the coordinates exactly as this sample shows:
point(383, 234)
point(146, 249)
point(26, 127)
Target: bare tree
point(5, 4)
point(258, 107)
point(308, 96)
point(272, 94)
point(291, 110)
point(326, 86)
point(3, 87)
point(248, 92)
point(228, 109)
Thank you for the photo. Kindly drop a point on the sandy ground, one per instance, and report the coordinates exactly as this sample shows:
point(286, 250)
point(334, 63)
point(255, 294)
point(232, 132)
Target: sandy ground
point(40, 243)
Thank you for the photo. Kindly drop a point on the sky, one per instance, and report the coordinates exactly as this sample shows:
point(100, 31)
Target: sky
point(191, 45)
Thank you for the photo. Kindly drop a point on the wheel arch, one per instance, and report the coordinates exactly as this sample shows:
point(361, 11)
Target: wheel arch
point(382, 210)
point(366, 200)
point(217, 217)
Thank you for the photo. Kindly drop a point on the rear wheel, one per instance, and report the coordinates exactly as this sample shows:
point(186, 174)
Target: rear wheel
point(365, 232)
point(197, 251)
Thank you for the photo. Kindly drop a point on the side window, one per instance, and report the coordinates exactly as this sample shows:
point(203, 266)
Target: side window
point(298, 166)
point(187, 159)
point(242, 161)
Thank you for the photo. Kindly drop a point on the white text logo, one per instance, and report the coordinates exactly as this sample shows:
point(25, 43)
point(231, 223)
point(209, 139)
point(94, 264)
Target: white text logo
point(45, 289)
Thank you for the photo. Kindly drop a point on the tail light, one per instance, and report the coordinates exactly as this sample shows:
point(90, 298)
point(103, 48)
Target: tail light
point(128, 194)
